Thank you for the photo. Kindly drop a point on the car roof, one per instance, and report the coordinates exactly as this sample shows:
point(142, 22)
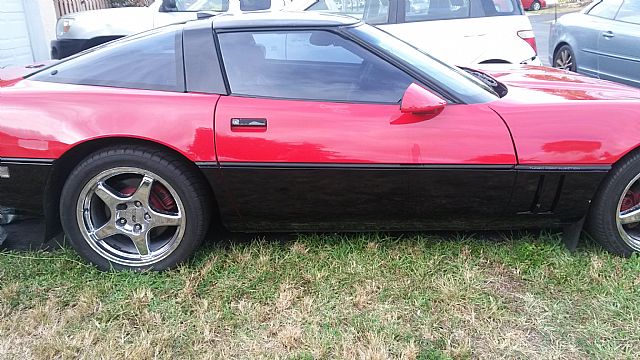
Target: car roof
point(255, 19)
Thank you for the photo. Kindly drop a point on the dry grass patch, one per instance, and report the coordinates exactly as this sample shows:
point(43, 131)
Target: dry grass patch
point(331, 296)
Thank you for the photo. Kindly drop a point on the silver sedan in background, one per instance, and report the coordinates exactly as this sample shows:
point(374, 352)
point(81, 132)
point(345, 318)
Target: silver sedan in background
point(602, 40)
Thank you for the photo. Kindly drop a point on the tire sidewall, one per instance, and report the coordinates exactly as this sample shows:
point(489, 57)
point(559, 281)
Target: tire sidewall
point(604, 208)
point(90, 168)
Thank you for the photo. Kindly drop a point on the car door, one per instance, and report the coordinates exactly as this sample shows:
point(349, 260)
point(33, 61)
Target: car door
point(619, 46)
point(312, 137)
point(586, 33)
point(596, 25)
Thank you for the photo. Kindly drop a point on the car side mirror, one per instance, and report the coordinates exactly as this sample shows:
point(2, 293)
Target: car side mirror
point(168, 6)
point(420, 101)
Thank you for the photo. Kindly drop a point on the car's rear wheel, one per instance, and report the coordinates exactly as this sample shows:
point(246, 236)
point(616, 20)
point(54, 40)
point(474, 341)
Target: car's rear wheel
point(134, 208)
point(614, 218)
point(564, 58)
point(535, 6)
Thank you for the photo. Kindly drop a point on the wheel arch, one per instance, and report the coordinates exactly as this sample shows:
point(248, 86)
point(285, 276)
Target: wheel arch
point(621, 159)
point(64, 165)
point(559, 45)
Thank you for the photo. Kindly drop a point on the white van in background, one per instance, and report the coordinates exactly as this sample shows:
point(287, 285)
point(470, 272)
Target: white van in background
point(460, 32)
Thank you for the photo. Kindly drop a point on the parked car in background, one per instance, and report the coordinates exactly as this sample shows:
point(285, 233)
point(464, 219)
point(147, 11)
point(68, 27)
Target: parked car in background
point(307, 122)
point(602, 41)
point(462, 32)
point(83, 30)
point(534, 5)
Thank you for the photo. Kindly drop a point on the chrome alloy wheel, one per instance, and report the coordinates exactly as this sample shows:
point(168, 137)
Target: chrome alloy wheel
point(130, 216)
point(628, 216)
point(564, 60)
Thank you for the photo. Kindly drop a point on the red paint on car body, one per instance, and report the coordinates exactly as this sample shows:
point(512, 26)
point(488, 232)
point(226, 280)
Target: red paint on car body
point(330, 132)
point(561, 118)
point(554, 118)
point(68, 115)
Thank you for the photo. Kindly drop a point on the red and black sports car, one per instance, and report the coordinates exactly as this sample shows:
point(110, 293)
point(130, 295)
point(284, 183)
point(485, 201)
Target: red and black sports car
point(307, 122)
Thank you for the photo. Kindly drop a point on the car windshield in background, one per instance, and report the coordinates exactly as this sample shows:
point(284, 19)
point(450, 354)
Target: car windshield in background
point(451, 79)
point(202, 5)
point(377, 11)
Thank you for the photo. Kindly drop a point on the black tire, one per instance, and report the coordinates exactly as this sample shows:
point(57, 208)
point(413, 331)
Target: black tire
point(602, 223)
point(535, 6)
point(184, 185)
point(560, 58)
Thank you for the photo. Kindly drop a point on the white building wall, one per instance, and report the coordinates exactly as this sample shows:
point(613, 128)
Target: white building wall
point(15, 44)
point(26, 29)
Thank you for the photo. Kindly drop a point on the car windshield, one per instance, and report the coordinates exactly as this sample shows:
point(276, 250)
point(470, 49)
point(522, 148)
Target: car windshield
point(453, 80)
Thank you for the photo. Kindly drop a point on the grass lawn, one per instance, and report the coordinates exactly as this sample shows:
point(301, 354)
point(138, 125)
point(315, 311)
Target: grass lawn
point(365, 296)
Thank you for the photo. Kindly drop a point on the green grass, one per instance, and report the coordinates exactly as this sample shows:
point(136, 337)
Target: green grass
point(365, 296)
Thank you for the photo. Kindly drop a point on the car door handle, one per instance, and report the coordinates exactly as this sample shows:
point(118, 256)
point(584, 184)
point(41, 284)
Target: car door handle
point(608, 34)
point(249, 124)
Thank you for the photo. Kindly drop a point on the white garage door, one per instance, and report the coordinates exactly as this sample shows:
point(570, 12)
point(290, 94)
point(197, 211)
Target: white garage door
point(15, 46)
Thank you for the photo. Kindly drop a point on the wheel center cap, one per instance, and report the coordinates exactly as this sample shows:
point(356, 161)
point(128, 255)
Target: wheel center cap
point(133, 215)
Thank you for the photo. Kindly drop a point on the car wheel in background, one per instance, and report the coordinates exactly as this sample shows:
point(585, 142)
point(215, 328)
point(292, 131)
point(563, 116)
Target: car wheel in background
point(134, 208)
point(564, 58)
point(535, 6)
point(614, 217)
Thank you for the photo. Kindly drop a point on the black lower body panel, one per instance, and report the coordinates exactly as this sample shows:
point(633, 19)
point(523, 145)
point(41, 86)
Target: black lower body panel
point(24, 186)
point(306, 197)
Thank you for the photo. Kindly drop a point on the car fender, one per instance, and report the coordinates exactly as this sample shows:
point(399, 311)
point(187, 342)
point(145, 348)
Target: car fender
point(559, 36)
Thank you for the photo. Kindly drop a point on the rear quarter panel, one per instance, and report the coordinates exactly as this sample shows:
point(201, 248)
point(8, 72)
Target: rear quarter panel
point(40, 120)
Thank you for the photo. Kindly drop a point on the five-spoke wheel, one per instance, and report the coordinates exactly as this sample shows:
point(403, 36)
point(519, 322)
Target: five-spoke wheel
point(131, 216)
point(134, 209)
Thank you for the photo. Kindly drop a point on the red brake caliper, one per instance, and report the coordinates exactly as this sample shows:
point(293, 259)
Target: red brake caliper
point(630, 200)
point(160, 198)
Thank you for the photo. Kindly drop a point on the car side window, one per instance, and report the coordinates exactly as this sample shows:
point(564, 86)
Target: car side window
point(370, 11)
point(424, 10)
point(148, 62)
point(629, 12)
point(310, 65)
point(606, 9)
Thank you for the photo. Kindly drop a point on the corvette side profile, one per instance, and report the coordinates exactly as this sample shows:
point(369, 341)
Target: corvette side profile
point(307, 122)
